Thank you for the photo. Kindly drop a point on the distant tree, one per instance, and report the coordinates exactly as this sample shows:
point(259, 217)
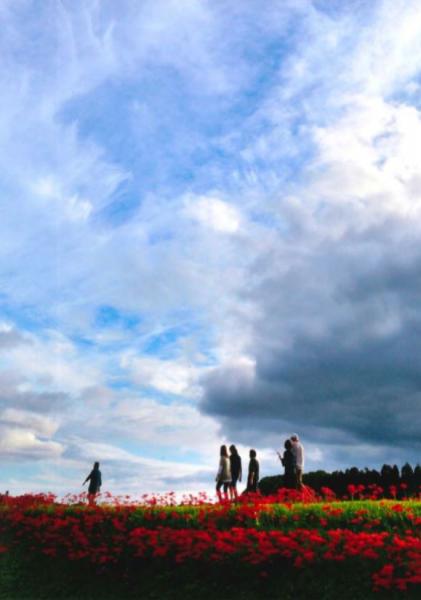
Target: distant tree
point(395, 474)
point(386, 473)
point(407, 473)
point(417, 477)
point(389, 476)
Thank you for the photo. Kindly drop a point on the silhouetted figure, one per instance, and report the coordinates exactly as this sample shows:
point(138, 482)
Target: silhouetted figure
point(288, 461)
point(298, 452)
point(95, 482)
point(253, 473)
point(223, 477)
point(236, 471)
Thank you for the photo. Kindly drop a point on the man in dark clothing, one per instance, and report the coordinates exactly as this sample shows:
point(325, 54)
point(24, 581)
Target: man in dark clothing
point(236, 471)
point(253, 474)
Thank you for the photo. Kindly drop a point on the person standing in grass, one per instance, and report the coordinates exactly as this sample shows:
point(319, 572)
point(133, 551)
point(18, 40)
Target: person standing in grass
point(95, 482)
point(223, 477)
point(236, 471)
point(253, 473)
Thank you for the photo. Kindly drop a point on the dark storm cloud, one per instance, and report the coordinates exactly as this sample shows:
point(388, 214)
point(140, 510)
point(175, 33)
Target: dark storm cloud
point(337, 346)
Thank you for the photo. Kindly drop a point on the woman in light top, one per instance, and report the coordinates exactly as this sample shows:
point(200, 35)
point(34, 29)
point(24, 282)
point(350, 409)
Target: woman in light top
point(236, 471)
point(223, 477)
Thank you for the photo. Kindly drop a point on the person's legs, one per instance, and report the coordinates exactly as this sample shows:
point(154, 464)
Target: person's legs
point(299, 478)
point(227, 486)
point(218, 490)
point(231, 491)
point(288, 480)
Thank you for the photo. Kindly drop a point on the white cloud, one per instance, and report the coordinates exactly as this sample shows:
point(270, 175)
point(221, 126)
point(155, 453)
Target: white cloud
point(176, 425)
point(39, 424)
point(214, 213)
point(375, 149)
point(51, 362)
point(73, 207)
point(22, 444)
point(173, 376)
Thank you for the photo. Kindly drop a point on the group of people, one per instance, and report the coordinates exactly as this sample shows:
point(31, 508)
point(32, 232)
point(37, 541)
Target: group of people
point(230, 472)
point(230, 469)
point(292, 460)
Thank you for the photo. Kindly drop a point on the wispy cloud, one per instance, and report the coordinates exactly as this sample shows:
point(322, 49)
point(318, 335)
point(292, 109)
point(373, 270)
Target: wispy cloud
point(208, 231)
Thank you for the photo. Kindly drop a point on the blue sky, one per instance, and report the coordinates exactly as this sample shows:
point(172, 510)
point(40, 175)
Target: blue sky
point(209, 220)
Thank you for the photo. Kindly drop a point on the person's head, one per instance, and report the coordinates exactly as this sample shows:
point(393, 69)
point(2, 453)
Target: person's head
point(96, 465)
point(288, 445)
point(253, 453)
point(233, 450)
point(224, 451)
point(294, 437)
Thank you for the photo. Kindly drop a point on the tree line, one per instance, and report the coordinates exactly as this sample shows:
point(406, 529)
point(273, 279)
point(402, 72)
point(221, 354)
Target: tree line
point(394, 481)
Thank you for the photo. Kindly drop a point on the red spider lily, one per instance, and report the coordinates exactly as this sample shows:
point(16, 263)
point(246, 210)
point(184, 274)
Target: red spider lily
point(258, 531)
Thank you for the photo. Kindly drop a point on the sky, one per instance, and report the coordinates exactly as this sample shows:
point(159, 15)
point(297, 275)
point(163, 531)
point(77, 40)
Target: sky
point(210, 216)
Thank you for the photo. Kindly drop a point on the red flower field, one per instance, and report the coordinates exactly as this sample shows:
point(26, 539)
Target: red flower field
point(290, 531)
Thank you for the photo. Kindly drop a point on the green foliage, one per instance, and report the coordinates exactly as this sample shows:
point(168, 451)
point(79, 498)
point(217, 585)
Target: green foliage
point(29, 578)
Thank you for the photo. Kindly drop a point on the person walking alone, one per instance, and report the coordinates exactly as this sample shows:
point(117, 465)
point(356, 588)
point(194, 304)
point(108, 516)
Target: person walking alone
point(95, 482)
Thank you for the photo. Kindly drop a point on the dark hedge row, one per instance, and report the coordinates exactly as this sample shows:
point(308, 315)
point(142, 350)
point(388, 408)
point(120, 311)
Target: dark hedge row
point(395, 482)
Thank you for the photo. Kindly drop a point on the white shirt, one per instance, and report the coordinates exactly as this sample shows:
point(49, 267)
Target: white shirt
point(298, 452)
point(224, 471)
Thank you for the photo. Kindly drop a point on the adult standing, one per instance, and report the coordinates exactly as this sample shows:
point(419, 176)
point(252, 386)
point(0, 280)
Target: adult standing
point(95, 482)
point(253, 473)
point(223, 476)
point(298, 452)
point(288, 462)
point(236, 471)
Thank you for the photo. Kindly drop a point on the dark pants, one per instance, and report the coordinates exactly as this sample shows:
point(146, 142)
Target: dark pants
point(234, 481)
point(251, 486)
point(290, 480)
point(225, 484)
